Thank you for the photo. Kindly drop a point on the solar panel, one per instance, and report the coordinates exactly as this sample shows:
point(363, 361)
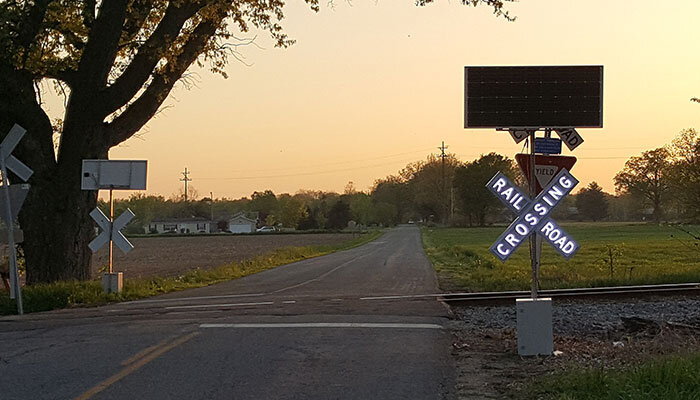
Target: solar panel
point(542, 96)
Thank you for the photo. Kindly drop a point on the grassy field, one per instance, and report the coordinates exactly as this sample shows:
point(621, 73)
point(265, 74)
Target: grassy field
point(641, 253)
point(673, 378)
point(46, 297)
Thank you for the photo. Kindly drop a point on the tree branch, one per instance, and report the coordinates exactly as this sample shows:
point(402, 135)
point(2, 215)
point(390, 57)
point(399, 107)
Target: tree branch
point(143, 108)
point(30, 26)
point(139, 11)
point(103, 42)
point(88, 13)
point(147, 58)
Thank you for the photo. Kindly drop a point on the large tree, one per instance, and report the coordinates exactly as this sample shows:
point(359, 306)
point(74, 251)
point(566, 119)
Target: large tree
point(116, 61)
point(647, 176)
point(392, 200)
point(685, 172)
point(475, 200)
point(430, 183)
point(592, 203)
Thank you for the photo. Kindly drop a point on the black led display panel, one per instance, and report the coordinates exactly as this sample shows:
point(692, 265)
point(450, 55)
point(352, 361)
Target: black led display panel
point(544, 96)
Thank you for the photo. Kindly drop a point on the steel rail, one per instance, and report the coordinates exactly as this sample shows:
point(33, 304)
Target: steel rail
point(575, 293)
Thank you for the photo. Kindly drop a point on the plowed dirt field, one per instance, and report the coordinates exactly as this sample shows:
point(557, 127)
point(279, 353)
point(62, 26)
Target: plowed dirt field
point(168, 256)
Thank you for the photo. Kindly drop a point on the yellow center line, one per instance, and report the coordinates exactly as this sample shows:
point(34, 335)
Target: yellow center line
point(145, 352)
point(149, 354)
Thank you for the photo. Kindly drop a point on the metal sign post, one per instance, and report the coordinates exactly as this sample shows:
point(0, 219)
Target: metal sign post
point(534, 260)
point(8, 161)
point(15, 287)
point(112, 174)
point(111, 230)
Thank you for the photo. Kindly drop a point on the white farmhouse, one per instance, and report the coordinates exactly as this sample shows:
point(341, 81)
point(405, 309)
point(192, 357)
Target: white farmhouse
point(185, 225)
point(240, 223)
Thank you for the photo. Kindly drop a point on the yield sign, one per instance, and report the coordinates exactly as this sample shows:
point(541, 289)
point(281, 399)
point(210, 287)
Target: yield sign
point(111, 231)
point(546, 167)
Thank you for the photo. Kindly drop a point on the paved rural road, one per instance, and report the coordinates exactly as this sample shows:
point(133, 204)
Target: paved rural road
point(350, 325)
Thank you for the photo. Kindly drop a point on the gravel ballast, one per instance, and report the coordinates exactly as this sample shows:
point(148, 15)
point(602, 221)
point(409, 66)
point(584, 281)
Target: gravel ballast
point(578, 319)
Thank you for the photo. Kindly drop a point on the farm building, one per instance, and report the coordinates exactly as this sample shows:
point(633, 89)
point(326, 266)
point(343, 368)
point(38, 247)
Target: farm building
point(183, 225)
point(240, 223)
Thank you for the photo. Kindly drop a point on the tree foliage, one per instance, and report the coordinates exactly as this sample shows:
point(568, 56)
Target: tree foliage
point(685, 172)
point(392, 200)
point(592, 203)
point(647, 176)
point(475, 200)
point(430, 182)
point(339, 215)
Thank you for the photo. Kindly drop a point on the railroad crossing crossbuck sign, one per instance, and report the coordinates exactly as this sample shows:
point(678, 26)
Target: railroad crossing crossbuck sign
point(111, 230)
point(533, 216)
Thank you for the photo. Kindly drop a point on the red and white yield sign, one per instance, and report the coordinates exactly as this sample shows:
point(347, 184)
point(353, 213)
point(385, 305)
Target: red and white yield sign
point(533, 215)
point(546, 167)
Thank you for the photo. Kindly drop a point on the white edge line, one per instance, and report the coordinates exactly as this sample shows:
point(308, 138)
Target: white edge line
point(408, 296)
point(190, 298)
point(262, 303)
point(326, 325)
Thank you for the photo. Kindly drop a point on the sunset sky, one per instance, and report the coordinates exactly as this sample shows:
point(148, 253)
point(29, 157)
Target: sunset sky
point(371, 86)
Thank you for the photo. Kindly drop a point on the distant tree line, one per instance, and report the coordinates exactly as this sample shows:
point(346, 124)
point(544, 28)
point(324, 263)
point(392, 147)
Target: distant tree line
point(660, 184)
point(665, 182)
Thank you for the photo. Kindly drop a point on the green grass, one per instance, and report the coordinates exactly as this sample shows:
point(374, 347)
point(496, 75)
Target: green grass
point(648, 254)
point(55, 295)
point(673, 378)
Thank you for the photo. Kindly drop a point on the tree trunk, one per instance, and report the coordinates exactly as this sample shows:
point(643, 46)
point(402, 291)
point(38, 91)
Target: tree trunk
point(57, 230)
point(657, 209)
point(54, 217)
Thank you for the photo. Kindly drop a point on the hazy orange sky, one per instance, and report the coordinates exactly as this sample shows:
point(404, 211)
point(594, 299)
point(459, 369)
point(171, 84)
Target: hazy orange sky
point(372, 86)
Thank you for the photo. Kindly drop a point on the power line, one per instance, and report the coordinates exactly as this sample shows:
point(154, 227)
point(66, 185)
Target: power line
point(331, 163)
point(305, 173)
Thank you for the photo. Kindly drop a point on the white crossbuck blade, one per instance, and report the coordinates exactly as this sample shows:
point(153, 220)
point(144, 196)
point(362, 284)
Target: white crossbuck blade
point(533, 215)
point(6, 148)
point(117, 237)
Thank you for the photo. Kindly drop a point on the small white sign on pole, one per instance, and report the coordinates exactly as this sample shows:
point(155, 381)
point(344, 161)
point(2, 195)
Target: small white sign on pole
point(114, 174)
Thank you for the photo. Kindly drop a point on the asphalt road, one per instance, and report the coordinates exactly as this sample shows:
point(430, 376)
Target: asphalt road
point(357, 324)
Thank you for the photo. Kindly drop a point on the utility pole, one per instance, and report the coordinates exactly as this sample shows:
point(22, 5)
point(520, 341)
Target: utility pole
point(211, 206)
point(185, 179)
point(443, 155)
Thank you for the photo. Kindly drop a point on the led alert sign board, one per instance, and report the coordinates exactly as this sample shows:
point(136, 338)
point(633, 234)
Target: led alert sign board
point(533, 97)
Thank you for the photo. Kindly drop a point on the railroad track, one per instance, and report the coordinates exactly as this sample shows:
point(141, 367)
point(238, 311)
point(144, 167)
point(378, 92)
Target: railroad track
point(577, 293)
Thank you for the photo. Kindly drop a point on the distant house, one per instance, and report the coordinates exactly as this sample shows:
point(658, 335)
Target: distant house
point(240, 223)
point(182, 225)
